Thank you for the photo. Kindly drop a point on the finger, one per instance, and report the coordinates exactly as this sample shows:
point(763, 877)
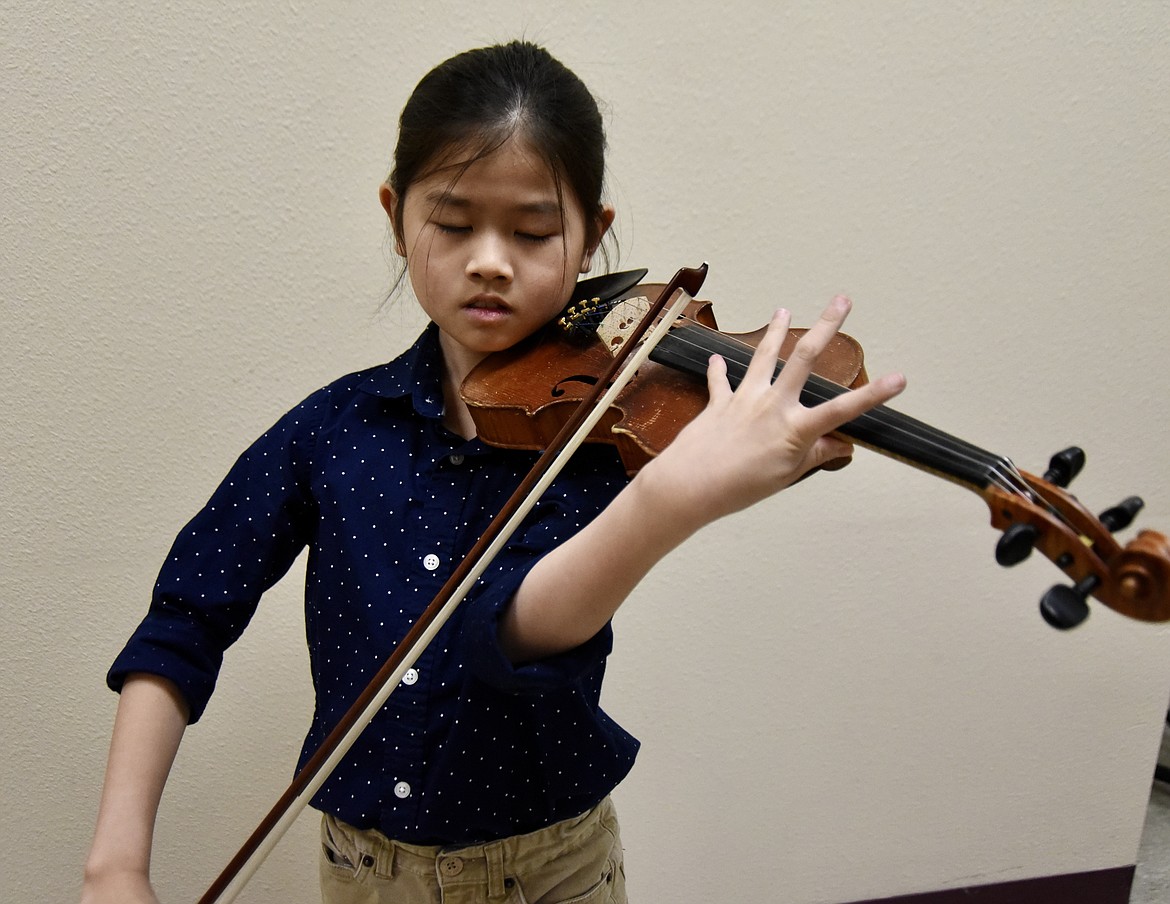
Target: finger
point(829, 416)
point(804, 357)
point(762, 366)
point(718, 388)
point(825, 450)
point(830, 448)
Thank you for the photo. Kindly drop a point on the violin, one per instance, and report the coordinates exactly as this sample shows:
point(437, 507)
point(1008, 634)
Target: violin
point(519, 399)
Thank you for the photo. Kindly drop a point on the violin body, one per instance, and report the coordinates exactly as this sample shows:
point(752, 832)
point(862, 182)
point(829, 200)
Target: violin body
point(519, 398)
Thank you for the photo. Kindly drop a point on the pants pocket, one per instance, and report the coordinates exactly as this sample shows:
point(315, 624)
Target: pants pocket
point(340, 857)
point(608, 889)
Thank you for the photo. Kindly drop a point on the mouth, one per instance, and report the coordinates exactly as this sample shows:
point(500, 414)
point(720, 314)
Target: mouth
point(487, 304)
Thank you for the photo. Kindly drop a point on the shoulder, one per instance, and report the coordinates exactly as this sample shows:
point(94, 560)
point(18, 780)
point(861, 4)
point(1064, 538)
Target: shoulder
point(396, 379)
point(413, 375)
point(340, 402)
point(344, 389)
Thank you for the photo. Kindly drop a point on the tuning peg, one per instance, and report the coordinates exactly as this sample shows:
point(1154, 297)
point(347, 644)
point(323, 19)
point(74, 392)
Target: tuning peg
point(1016, 544)
point(1065, 465)
point(1066, 607)
point(1122, 514)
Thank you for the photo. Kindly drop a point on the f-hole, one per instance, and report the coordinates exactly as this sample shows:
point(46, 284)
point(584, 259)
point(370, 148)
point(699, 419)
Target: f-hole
point(584, 379)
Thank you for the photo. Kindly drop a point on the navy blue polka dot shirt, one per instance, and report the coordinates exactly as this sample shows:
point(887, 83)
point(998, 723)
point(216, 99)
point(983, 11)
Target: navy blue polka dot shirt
point(388, 501)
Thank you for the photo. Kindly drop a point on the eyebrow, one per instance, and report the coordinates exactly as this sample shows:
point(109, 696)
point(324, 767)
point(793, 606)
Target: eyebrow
point(440, 198)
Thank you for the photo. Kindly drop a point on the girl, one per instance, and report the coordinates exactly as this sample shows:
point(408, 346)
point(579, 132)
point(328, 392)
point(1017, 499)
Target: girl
point(488, 773)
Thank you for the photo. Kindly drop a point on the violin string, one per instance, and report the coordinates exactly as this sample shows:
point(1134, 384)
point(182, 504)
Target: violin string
point(997, 470)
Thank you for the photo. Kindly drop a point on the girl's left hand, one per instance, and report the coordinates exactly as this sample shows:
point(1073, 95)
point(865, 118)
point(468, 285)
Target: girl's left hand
point(744, 446)
point(758, 439)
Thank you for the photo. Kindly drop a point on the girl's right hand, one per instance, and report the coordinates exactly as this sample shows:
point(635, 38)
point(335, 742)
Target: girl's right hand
point(118, 887)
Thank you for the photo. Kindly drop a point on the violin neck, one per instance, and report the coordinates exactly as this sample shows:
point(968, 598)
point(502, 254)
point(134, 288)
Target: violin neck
point(688, 348)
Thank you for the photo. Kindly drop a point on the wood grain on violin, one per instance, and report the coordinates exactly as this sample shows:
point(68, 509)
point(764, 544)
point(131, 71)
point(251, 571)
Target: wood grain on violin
point(519, 399)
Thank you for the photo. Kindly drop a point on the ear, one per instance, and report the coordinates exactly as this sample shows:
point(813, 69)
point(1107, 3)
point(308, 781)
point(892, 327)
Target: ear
point(605, 218)
point(390, 205)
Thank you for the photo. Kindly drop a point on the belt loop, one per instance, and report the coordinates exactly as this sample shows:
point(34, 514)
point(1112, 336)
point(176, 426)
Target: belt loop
point(494, 853)
point(389, 851)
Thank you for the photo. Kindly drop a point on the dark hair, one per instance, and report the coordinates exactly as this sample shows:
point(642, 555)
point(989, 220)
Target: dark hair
point(477, 100)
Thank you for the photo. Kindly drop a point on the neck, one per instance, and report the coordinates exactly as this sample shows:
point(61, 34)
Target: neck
point(887, 431)
point(457, 364)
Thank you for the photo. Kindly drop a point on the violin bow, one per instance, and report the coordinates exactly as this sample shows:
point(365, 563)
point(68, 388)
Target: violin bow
point(628, 357)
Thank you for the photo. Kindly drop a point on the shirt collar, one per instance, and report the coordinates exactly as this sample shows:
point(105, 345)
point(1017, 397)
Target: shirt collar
point(416, 373)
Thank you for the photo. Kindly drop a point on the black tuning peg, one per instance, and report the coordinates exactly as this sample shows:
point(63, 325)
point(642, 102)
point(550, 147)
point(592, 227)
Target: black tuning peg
point(1065, 465)
point(1122, 514)
point(1015, 544)
point(1066, 607)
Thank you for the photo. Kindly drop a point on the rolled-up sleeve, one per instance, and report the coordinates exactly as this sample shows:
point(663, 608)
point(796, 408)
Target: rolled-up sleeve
point(583, 491)
point(240, 544)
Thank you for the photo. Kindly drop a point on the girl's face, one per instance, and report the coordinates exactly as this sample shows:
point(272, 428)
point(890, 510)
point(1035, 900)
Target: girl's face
point(494, 255)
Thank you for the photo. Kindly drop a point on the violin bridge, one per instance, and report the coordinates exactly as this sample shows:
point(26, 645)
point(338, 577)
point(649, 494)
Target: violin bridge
point(621, 321)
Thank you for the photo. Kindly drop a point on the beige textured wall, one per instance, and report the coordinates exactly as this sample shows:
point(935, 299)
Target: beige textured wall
point(840, 695)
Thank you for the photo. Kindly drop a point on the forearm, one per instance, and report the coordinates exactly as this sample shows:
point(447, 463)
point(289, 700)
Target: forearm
point(148, 727)
point(572, 592)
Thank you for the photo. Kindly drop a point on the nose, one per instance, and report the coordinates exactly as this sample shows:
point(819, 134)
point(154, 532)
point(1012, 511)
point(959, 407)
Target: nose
point(489, 259)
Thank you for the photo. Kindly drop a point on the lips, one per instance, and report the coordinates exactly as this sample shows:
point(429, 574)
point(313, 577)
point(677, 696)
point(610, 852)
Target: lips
point(488, 302)
point(487, 308)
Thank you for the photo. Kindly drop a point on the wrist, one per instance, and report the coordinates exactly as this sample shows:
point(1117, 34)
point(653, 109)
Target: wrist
point(664, 506)
point(101, 865)
point(117, 886)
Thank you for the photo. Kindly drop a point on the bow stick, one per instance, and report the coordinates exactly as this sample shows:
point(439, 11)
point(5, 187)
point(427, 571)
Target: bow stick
point(629, 357)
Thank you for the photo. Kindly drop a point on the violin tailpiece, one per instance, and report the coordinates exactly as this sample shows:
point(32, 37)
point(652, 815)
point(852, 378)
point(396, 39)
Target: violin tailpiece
point(616, 326)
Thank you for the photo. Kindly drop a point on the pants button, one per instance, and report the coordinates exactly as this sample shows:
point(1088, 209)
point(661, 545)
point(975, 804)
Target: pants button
point(451, 866)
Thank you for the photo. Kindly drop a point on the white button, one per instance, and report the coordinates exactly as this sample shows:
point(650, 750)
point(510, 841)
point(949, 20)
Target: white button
point(402, 789)
point(431, 562)
point(410, 677)
point(456, 459)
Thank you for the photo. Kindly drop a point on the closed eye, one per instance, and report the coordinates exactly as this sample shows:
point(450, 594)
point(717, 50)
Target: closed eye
point(534, 237)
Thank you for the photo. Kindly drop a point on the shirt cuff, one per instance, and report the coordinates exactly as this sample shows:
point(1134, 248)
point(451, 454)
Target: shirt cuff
point(481, 642)
point(161, 646)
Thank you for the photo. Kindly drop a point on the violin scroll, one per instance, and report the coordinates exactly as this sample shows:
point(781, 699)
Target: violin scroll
point(1133, 580)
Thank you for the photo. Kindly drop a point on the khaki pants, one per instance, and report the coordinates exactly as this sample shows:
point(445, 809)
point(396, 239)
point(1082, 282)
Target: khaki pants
point(578, 861)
